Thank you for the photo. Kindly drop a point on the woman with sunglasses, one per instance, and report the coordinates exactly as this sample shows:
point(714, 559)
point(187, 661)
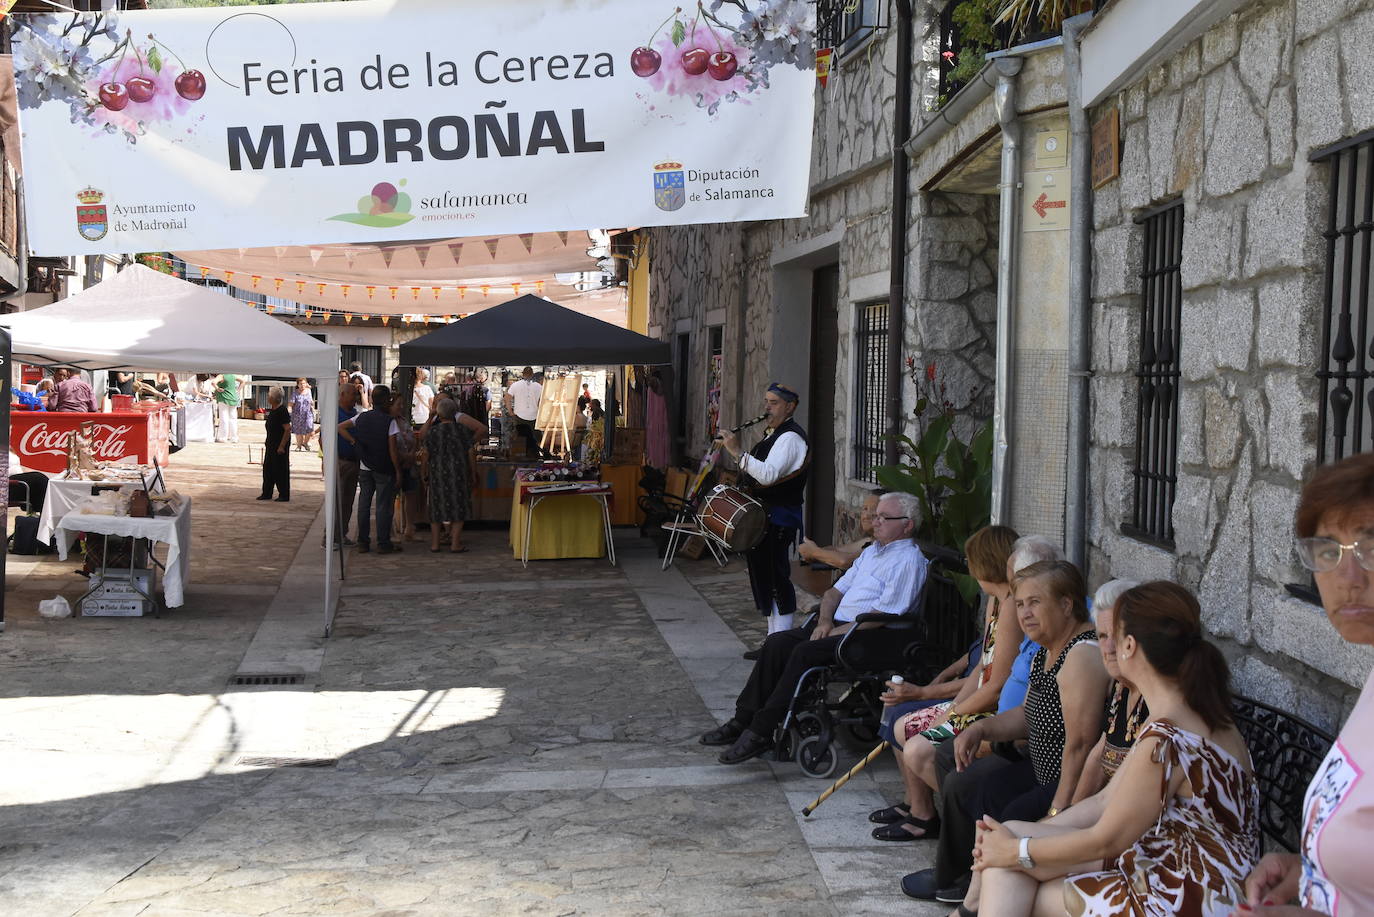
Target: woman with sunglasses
point(1332, 875)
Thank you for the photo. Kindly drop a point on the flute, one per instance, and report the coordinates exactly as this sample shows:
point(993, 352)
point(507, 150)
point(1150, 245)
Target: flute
point(747, 423)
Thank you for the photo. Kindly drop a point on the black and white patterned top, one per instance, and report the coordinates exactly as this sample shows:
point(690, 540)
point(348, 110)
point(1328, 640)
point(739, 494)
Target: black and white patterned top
point(1045, 713)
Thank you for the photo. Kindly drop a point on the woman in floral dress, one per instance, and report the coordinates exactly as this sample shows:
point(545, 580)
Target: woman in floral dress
point(302, 414)
point(1177, 829)
point(448, 444)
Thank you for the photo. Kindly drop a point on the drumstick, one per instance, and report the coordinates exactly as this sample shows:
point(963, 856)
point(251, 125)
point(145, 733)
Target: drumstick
point(843, 780)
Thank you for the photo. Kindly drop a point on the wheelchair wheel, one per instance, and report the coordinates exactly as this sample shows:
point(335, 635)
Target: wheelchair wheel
point(817, 759)
point(787, 742)
point(808, 724)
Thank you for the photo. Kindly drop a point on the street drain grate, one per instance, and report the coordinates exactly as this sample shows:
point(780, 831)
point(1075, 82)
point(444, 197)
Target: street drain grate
point(261, 761)
point(267, 680)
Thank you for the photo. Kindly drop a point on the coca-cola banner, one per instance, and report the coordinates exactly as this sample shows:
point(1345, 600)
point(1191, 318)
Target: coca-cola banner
point(39, 439)
point(384, 120)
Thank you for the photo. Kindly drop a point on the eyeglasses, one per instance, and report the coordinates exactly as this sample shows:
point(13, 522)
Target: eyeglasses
point(877, 516)
point(1322, 555)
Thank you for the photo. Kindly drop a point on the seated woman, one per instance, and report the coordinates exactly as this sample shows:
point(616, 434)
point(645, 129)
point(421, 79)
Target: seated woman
point(1178, 826)
point(1123, 718)
point(1061, 718)
point(988, 551)
point(1332, 876)
point(842, 556)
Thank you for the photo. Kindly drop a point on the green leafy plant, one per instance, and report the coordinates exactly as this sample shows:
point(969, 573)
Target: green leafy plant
point(1049, 15)
point(951, 478)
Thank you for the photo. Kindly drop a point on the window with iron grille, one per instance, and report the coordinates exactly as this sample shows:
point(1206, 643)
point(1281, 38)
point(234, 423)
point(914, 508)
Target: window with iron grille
point(843, 24)
point(870, 390)
point(1345, 412)
point(1157, 376)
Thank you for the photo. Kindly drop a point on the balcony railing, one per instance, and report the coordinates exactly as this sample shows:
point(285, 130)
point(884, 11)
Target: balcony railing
point(843, 24)
point(968, 32)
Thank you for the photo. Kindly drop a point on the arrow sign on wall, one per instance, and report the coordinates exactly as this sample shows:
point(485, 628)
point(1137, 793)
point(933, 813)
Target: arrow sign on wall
point(1043, 204)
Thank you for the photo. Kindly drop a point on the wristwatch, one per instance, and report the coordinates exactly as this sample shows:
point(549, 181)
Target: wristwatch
point(1024, 859)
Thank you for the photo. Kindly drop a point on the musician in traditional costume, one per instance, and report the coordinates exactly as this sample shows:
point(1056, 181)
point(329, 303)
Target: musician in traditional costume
point(776, 470)
point(886, 577)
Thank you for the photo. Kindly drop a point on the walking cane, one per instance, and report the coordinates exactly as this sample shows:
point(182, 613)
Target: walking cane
point(843, 780)
point(896, 680)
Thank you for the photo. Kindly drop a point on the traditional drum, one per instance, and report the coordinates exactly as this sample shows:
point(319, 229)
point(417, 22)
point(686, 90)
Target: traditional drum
point(733, 519)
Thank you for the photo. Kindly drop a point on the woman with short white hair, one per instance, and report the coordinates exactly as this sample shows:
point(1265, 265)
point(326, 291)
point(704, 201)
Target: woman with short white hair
point(276, 461)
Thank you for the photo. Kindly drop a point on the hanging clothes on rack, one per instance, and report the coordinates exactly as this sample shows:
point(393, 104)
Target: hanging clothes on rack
point(657, 449)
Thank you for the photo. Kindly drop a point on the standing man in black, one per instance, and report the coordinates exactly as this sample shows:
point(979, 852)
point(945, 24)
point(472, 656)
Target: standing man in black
point(778, 466)
point(276, 461)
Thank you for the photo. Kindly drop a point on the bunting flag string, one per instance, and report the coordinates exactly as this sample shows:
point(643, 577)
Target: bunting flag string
point(456, 250)
point(422, 252)
point(386, 256)
point(527, 239)
point(563, 237)
point(491, 246)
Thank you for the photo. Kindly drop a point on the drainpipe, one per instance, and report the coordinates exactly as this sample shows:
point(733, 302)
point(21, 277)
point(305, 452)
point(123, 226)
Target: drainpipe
point(21, 242)
point(896, 309)
point(1004, 100)
point(1080, 297)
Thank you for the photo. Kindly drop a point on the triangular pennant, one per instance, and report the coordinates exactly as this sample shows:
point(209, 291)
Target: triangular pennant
point(277, 282)
point(300, 287)
point(229, 277)
point(348, 318)
point(539, 287)
point(422, 252)
point(563, 237)
point(370, 290)
point(204, 272)
point(344, 288)
point(315, 254)
point(456, 250)
point(824, 57)
point(436, 291)
point(462, 292)
point(279, 249)
point(485, 290)
point(415, 293)
point(393, 291)
point(491, 246)
point(257, 278)
point(515, 288)
point(241, 251)
point(527, 239)
point(319, 289)
point(386, 256)
point(349, 255)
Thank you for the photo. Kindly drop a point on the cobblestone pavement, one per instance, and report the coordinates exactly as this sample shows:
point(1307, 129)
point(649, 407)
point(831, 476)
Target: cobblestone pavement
point(473, 739)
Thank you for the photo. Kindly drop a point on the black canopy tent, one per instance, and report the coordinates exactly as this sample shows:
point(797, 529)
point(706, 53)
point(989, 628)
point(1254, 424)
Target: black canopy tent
point(532, 330)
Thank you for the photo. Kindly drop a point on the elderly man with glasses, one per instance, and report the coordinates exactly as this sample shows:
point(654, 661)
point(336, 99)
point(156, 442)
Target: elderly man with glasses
point(887, 577)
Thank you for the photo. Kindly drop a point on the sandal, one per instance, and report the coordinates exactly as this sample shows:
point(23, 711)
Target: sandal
point(898, 830)
point(889, 816)
point(462, 550)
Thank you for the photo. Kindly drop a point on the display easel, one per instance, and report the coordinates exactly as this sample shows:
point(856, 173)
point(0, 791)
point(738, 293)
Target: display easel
point(557, 409)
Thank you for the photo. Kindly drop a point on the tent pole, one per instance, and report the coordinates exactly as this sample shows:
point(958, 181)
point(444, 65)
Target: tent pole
point(329, 441)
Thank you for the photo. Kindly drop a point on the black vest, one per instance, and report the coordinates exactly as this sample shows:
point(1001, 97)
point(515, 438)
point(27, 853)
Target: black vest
point(789, 491)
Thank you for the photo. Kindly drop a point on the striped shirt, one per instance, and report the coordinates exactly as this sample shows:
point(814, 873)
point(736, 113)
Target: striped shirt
point(884, 578)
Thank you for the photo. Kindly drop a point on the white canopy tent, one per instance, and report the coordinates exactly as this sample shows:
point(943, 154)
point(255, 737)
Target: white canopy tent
point(144, 320)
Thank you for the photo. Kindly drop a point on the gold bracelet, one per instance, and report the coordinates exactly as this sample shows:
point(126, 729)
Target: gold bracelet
point(1052, 813)
point(953, 711)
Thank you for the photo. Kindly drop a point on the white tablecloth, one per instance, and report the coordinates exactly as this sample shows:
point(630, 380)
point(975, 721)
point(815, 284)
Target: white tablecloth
point(200, 422)
point(173, 531)
point(62, 498)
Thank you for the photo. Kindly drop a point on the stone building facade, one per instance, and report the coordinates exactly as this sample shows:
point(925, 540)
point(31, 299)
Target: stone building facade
point(1222, 112)
point(1227, 125)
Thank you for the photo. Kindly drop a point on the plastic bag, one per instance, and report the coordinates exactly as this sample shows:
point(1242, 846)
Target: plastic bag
point(55, 607)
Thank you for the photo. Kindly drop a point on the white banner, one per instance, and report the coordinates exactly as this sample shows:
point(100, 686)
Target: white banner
point(409, 119)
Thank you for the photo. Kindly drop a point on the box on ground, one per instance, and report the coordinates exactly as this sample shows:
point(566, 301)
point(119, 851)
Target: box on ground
point(116, 596)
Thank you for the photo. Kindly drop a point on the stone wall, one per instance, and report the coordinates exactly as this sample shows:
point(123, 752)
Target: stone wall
point(1227, 125)
point(727, 274)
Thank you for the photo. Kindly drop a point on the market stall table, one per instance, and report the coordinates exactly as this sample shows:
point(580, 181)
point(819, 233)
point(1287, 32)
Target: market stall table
point(63, 496)
point(567, 526)
point(173, 531)
point(200, 422)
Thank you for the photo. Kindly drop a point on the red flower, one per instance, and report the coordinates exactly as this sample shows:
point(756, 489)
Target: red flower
point(930, 372)
point(910, 362)
point(948, 55)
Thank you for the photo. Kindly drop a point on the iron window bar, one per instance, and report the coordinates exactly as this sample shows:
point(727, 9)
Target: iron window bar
point(1155, 467)
point(871, 389)
point(842, 24)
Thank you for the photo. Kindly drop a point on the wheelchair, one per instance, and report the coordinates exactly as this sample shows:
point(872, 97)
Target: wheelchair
point(840, 704)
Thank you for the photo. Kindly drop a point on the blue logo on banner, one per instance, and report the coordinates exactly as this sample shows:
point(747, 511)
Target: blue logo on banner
point(670, 186)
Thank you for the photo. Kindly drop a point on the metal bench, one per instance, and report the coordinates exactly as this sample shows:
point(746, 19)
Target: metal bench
point(1286, 751)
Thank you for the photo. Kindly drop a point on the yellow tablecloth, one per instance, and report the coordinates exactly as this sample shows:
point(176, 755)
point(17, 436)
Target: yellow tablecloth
point(564, 525)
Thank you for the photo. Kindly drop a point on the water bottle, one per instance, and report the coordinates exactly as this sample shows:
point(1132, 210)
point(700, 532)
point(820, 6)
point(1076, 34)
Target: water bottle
point(890, 713)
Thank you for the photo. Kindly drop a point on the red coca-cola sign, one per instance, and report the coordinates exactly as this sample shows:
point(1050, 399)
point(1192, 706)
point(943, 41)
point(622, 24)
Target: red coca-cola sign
point(40, 439)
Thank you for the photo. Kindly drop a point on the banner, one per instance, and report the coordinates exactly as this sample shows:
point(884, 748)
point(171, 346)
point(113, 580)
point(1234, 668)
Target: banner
point(381, 120)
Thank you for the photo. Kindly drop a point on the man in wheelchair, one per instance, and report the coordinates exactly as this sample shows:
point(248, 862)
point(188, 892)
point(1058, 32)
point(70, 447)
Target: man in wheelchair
point(886, 578)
